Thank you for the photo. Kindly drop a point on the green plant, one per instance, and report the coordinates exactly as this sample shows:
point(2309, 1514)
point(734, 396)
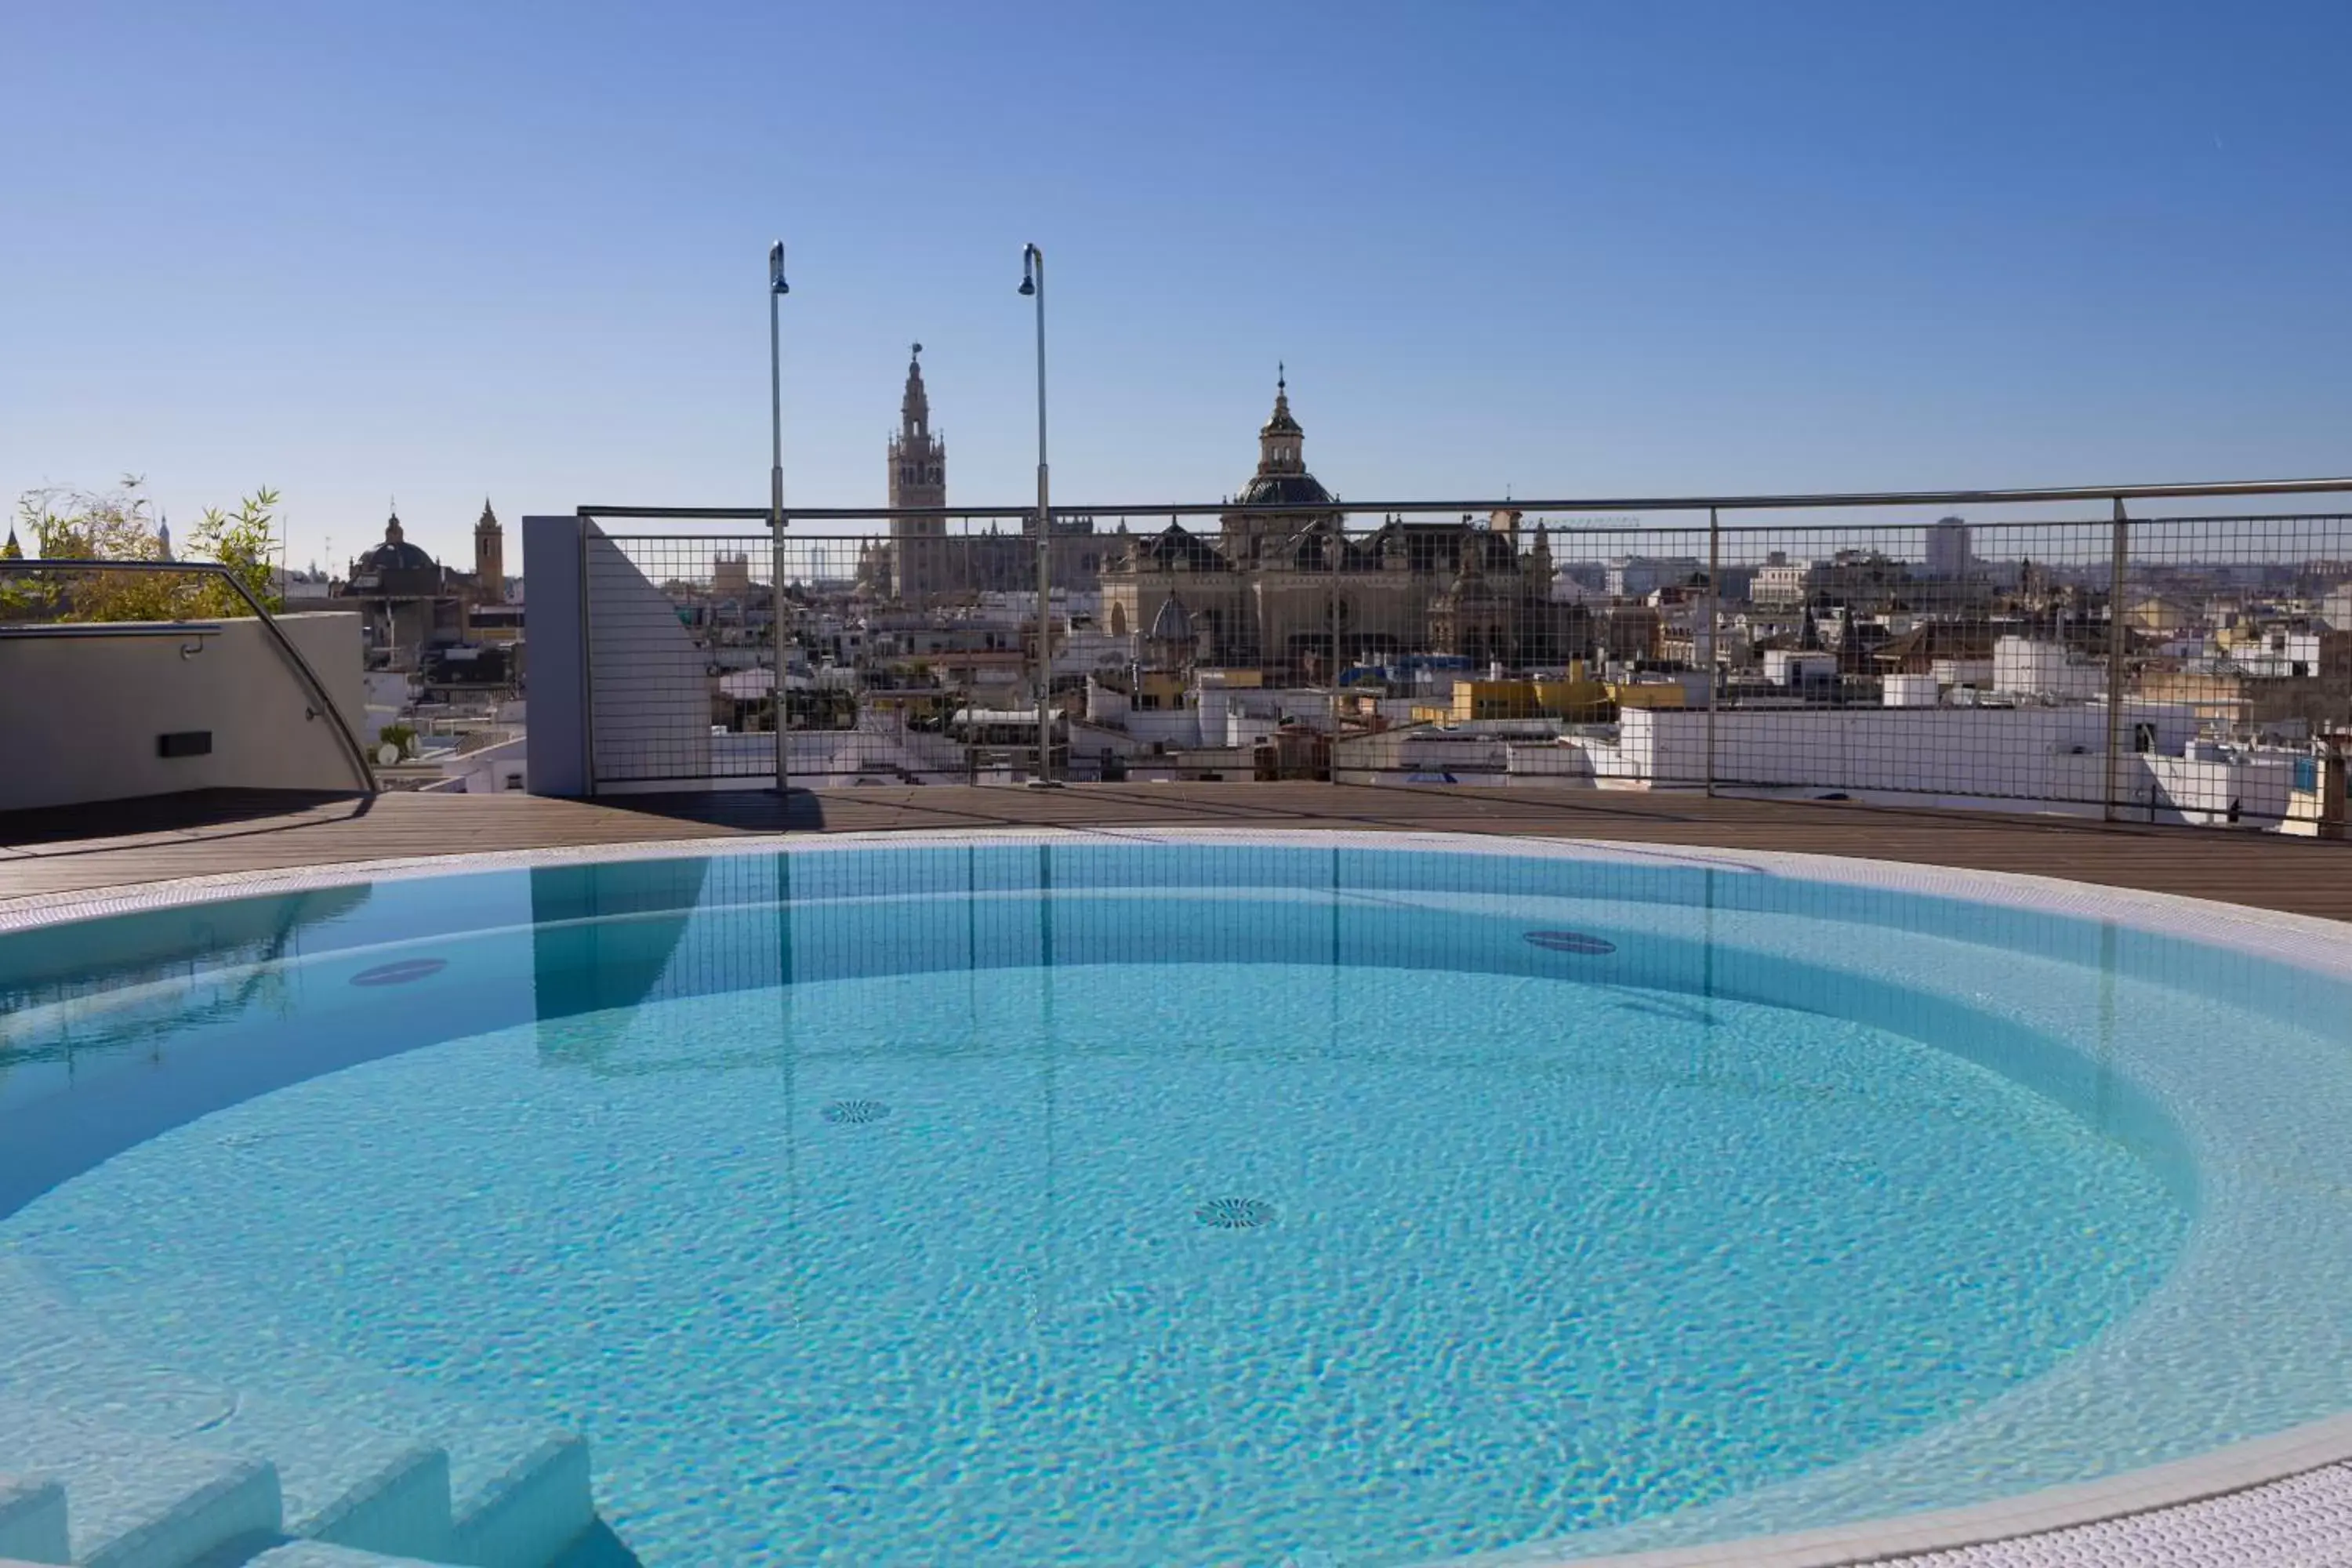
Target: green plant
point(67, 524)
point(404, 736)
point(92, 525)
point(246, 541)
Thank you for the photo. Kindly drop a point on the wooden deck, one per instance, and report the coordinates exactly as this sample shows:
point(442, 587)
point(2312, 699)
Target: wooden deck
point(204, 834)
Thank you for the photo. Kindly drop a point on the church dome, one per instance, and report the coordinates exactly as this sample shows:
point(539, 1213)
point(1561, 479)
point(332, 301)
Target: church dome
point(395, 554)
point(401, 557)
point(1284, 490)
point(1282, 479)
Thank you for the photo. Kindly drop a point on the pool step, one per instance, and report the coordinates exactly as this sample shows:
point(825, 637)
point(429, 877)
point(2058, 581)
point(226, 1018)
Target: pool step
point(338, 1480)
point(525, 1515)
point(320, 1554)
point(463, 1489)
point(137, 1502)
point(32, 1520)
point(517, 1493)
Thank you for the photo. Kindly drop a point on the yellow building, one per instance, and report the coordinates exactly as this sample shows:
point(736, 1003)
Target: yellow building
point(1575, 700)
point(1647, 694)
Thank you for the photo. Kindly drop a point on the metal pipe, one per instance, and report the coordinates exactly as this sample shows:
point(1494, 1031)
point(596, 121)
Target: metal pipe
point(777, 289)
point(1889, 499)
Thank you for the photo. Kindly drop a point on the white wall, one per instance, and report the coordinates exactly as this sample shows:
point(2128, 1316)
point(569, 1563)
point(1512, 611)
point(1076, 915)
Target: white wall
point(2031, 668)
point(2029, 754)
point(2203, 791)
point(79, 715)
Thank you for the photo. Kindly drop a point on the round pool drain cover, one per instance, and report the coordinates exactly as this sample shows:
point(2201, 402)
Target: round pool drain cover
point(400, 974)
point(1234, 1214)
point(1571, 941)
point(855, 1111)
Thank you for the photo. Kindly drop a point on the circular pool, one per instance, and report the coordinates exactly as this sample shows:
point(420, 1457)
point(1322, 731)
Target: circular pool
point(1178, 1198)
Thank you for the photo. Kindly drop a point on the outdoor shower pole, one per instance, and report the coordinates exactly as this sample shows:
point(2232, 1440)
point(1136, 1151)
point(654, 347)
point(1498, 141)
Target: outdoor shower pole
point(1714, 632)
point(777, 289)
point(1032, 282)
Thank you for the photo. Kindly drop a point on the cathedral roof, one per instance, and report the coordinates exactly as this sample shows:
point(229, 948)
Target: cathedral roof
point(1164, 549)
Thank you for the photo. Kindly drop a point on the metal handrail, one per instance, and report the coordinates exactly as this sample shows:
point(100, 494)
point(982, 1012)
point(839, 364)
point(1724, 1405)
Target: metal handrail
point(352, 750)
point(70, 629)
point(2051, 495)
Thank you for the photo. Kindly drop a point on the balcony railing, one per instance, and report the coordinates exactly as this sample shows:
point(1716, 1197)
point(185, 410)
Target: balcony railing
point(2052, 651)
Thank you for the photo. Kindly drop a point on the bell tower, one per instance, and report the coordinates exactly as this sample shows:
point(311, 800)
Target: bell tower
point(919, 478)
point(1280, 440)
point(489, 557)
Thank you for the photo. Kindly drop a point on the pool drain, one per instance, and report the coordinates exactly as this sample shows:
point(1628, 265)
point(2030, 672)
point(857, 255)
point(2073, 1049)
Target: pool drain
point(1571, 941)
point(400, 974)
point(855, 1113)
point(1234, 1214)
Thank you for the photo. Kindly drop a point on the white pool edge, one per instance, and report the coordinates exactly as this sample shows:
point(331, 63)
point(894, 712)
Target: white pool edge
point(2142, 1495)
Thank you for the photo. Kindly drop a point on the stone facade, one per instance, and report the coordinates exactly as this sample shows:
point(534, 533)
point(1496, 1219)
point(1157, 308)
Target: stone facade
point(409, 602)
point(1278, 589)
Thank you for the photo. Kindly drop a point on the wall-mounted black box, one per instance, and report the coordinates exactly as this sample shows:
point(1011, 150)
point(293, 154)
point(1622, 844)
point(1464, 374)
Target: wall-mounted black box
point(185, 744)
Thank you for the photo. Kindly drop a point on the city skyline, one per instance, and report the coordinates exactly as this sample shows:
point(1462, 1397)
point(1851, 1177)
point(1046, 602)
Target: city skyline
point(1695, 250)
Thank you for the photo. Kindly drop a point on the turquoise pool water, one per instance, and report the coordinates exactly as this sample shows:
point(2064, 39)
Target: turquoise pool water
point(1152, 1202)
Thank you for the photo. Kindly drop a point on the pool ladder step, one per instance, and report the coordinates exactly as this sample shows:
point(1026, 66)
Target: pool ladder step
point(185, 1508)
point(128, 1500)
point(144, 1451)
point(32, 1520)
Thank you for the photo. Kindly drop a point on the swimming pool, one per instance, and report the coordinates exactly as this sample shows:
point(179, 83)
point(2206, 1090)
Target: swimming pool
point(1170, 1198)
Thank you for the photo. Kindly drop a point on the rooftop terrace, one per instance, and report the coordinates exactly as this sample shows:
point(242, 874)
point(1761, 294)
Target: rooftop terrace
point(221, 833)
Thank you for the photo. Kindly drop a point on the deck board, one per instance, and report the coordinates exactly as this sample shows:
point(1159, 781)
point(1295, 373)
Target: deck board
point(219, 832)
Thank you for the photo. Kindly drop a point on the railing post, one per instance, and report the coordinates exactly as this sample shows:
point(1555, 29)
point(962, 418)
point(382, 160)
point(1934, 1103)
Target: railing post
point(588, 537)
point(2120, 563)
point(1714, 632)
point(1338, 555)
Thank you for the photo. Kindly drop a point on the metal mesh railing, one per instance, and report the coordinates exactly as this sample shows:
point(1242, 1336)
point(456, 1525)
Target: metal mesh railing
point(2185, 669)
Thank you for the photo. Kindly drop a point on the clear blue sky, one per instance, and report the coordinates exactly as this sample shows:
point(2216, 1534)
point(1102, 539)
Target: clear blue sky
point(440, 250)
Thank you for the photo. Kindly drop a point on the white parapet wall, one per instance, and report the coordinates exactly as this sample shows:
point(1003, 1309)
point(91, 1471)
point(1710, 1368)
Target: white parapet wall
point(82, 716)
point(2032, 754)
